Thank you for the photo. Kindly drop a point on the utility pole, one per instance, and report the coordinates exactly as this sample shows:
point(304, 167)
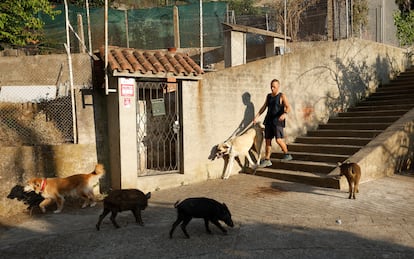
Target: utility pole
point(176, 21)
point(285, 29)
point(201, 34)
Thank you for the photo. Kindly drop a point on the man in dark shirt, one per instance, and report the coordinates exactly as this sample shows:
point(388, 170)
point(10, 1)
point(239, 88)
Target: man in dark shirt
point(278, 107)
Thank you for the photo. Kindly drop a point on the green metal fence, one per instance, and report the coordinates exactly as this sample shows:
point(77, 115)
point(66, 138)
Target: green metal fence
point(147, 28)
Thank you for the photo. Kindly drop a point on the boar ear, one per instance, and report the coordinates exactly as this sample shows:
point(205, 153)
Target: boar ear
point(148, 195)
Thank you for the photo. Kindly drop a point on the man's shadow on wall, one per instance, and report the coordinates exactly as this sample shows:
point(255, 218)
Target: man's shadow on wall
point(245, 123)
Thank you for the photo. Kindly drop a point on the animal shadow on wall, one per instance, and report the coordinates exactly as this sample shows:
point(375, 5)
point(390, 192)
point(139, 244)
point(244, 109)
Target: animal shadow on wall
point(31, 198)
point(217, 151)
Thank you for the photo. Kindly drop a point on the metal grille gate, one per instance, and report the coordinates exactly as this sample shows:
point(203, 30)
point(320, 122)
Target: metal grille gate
point(158, 128)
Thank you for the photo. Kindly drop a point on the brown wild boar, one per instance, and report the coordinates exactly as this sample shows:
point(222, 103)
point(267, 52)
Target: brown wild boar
point(121, 200)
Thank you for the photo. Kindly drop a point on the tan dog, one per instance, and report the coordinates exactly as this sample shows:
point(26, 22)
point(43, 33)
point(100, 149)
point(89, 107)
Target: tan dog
point(55, 189)
point(240, 146)
point(352, 172)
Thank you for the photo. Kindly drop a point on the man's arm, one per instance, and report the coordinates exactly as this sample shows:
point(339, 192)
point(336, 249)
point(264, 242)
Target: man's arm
point(286, 106)
point(286, 103)
point(261, 110)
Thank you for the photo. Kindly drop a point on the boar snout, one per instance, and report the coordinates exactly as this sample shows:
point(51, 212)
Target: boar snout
point(227, 216)
point(229, 222)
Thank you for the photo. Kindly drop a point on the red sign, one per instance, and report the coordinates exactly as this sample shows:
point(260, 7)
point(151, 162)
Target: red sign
point(127, 102)
point(127, 87)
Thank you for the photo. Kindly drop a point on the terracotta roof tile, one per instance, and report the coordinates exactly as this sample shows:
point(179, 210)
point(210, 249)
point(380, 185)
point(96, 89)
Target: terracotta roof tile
point(144, 62)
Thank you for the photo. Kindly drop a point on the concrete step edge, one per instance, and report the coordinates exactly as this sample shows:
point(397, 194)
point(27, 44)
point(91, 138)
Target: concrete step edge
point(320, 180)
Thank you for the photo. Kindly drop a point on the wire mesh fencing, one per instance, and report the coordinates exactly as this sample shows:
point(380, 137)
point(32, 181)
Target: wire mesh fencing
point(30, 123)
point(36, 104)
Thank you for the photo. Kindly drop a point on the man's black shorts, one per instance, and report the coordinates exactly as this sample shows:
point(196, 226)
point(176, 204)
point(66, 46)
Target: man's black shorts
point(272, 131)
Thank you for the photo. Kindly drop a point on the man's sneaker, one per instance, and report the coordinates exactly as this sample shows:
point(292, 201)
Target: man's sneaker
point(265, 163)
point(287, 157)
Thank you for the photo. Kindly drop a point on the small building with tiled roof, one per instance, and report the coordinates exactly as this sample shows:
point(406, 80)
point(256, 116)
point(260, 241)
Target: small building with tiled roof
point(145, 111)
point(235, 43)
point(146, 63)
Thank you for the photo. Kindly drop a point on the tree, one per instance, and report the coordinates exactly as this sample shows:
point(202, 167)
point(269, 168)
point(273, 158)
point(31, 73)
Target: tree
point(20, 21)
point(295, 9)
point(404, 21)
point(92, 3)
point(405, 5)
point(243, 7)
point(359, 15)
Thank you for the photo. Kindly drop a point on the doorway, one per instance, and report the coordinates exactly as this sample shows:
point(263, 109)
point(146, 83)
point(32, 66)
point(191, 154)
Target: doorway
point(159, 133)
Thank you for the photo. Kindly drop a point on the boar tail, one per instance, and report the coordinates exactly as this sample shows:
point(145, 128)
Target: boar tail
point(176, 203)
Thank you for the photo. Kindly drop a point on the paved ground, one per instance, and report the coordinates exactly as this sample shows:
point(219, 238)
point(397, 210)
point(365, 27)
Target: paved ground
point(273, 219)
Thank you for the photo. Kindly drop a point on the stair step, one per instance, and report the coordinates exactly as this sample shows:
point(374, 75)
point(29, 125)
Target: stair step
point(393, 96)
point(372, 113)
point(398, 106)
point(316, 157)
point(324, 148)
point(363, 119)
point(408, 71)
point(314, 179)
point(344, 133)
point(369, 102)
point(356, 126)
point(333, 140)
point(400, 77)
point(395, 86)
point(305, 166)
point(393, 90)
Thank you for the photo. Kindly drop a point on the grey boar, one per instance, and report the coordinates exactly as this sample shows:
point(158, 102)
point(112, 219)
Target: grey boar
point(121, 200)
point(352, 172)
point(208, 209)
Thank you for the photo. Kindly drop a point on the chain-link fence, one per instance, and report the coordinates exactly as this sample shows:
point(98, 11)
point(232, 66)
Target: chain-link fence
point(36, 106)
point(31, 123)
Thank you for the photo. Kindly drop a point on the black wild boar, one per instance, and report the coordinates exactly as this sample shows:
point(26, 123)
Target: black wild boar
point(121, 200)
point(352, 172)
point(208, 209)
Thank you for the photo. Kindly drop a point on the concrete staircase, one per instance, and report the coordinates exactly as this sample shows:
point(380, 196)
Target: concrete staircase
point(316, 155)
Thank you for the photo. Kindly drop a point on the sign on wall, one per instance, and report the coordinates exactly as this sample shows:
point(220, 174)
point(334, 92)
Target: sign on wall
point(127, 86)
point(158, 107)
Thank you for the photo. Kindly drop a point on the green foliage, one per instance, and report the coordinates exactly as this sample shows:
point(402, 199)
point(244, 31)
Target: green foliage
point(243, 7)
point(81, 3)
point(405, 27)
point(20, 21)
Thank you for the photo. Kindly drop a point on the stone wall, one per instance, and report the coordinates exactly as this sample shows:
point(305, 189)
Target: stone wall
point(18, 164)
